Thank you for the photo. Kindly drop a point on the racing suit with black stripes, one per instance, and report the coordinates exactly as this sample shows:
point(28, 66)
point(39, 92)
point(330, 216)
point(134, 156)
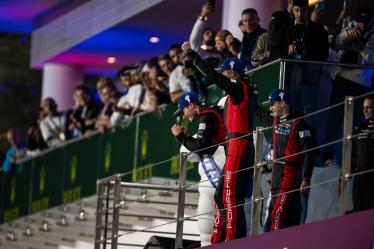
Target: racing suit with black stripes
point(290, 137)
point(230, 222)
point(363, 153)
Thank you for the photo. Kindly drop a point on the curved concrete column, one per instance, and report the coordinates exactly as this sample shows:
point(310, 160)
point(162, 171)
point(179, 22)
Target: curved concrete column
point(59, 81)
point(232, 10)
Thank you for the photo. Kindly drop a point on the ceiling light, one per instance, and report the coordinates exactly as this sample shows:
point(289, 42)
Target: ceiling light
point(111, 60)
point(154, 39)
point(313, 2)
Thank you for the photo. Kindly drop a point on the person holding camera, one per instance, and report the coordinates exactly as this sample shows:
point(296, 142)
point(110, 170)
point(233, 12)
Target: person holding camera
point(356, 42)
point(309, 41)
point(202, 38)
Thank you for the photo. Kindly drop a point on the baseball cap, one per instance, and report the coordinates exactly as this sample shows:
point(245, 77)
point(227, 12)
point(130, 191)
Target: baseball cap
point(278, 95)
point(231, 63)
point(185, 100)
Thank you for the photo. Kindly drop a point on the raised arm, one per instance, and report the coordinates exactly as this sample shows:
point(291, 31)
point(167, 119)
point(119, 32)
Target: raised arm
point(196, 35)
point(235, 90)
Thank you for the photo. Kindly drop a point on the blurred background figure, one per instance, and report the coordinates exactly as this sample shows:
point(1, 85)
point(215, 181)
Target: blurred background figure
point(35, 141)
point(15, 153)
point(53, 124)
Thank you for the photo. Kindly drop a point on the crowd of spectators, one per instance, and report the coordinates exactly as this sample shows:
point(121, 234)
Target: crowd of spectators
point(291, 33)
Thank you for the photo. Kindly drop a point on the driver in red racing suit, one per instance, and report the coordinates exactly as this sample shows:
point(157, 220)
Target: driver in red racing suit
point(239, 111)
point(290, 136)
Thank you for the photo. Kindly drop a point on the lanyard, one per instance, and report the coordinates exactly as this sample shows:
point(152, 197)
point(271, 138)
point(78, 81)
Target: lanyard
point(211, 169)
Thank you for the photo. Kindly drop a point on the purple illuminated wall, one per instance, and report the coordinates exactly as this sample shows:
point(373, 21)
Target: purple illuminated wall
point(355, 231)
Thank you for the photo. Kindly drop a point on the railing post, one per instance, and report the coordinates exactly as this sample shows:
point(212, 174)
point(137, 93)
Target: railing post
point(282, 74)
point(181, 200)
point(347, 153)
point(116, 207)
point(256, 192)
point(99, 216)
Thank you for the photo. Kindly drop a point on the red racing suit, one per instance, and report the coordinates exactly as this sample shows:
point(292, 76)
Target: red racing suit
point(290, 137)
point(231, 190)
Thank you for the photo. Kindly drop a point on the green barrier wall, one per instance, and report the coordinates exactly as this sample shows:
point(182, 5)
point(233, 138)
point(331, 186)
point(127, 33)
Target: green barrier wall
point(47, 174)
point(15, 194)
point(69, 173)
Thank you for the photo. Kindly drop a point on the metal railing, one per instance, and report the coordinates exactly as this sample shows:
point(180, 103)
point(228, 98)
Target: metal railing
point(110, 201)
point(114, 181)
point(346, 139)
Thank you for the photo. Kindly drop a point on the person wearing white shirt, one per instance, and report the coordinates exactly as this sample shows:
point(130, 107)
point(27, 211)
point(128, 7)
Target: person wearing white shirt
point(128, 102)
point(52, 125)
point(170, 64)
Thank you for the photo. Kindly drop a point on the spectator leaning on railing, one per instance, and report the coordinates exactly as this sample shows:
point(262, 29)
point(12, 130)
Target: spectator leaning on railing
point(101, 82)
point(130, 101)
point(103, 119)
point(15, 153)
point(35, 141)
point(53, 124)
point(88, 110)
point(178, 82)
point(154, 85)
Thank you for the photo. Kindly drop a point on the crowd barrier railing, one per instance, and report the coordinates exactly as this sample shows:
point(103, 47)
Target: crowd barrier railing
point(344, 179)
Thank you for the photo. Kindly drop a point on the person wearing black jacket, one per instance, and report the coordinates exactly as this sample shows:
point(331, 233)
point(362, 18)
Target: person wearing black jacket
point(211, 126)
point(239, 110)
point(210, 135)
point(253, 30)
point(309, 41)
point(291, 135)
point(84, 116)
point(363, 151)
